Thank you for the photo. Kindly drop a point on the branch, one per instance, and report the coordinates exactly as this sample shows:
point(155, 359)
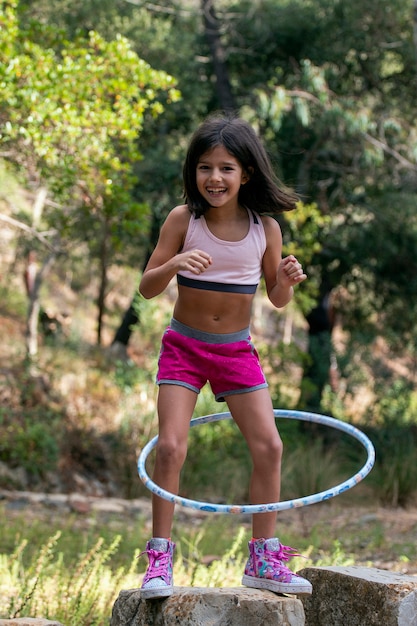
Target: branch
point(375, 142)
point(300, 93)
point(42, 237)
point(157, 8)
point(380, 144)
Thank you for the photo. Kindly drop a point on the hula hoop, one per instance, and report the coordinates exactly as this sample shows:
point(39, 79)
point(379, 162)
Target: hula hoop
point(272, 506)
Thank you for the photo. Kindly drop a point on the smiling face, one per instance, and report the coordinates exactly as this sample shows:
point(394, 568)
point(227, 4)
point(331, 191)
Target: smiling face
point(219, 177)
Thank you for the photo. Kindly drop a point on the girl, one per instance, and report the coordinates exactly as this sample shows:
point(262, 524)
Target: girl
point(218, 244)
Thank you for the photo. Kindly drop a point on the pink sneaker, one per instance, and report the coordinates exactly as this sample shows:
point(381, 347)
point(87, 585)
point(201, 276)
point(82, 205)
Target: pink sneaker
point(265, 568)
point(157, 582)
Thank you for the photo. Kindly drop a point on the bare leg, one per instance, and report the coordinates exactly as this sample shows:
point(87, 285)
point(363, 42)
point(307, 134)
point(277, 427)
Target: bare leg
point(253, 413)
point(175, 408)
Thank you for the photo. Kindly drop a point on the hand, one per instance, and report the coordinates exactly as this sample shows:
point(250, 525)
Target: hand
point(195, 261)
point(290, 271)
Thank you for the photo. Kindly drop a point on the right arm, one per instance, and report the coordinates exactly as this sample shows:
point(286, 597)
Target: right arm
point(167, 258)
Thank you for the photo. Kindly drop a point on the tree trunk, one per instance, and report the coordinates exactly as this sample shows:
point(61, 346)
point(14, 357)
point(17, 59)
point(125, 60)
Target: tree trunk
point(32, 328)
point(33, 282)
point(320, 352)
point(33, 278)
point(415, 27)
point(130, 318)
point(125, 329)
point(101, 298)
point(227, 103)
point(212, 33)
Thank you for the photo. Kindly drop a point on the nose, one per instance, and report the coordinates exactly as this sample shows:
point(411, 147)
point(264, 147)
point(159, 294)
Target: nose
point(215, 174)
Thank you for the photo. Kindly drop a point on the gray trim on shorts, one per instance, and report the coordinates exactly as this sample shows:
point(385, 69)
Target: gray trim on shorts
point(179, 383)
point(201, 335)
point(222, 397)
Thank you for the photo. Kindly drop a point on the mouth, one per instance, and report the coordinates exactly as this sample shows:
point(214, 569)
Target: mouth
point(214, 191)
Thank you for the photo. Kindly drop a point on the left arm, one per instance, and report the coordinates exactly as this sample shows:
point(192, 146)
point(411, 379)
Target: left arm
point(280, 274)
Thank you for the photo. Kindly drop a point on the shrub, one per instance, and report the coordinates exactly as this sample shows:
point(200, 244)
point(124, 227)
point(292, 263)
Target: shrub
point(392, 428)
point(29, 441)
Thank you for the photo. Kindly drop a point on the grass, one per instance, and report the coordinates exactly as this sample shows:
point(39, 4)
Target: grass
point(80, 595)
point(71, 568)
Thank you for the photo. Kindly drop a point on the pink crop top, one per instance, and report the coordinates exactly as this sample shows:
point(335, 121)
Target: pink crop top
point(237, 265)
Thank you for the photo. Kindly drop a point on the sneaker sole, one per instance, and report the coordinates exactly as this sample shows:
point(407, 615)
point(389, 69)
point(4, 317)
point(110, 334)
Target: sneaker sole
point(277, 587)
point(154, 594)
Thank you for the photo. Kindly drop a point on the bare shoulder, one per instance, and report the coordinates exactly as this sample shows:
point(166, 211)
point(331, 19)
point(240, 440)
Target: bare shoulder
point(272, 229)
point(174, 229)
point(179, 215)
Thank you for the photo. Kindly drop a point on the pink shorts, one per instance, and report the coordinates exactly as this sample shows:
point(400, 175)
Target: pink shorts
point(191, 358)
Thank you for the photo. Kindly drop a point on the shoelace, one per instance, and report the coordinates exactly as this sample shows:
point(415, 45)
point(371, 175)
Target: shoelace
point(276, 557)
point(158, 564)
point(285, 553)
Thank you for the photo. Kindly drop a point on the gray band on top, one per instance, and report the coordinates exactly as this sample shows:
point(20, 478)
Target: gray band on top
point(201, 335)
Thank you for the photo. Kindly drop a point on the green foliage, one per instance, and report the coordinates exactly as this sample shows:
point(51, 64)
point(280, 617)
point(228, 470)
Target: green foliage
point(30, 442)
point(223, 571)
point(393, 431)
point(395, 404)
point(218, 466)
point(330, 88)
point(304, 234)
point(328, 85)
point(338, 118)
point(78, 587)
point(15, 299)
point(394, 477)
point(154, 318)
point(338, 557)
point(303, 475)
point(83, 133)
point(127, 376)
point(71, 116)
point(279, 359)
point(78, 128)
point(82, 595)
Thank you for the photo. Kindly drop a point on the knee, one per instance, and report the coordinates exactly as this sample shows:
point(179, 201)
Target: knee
point(171, 453)
point(270, 452)
point(275, 450)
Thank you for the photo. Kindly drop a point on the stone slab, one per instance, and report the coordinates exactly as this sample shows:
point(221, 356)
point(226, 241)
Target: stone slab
point(359, 596)
point(195, 606)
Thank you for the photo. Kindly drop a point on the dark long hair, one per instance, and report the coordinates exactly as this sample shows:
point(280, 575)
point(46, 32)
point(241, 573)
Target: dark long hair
point(263, 193)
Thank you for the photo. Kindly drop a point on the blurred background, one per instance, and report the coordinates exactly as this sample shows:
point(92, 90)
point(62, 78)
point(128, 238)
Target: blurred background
point(99, 99)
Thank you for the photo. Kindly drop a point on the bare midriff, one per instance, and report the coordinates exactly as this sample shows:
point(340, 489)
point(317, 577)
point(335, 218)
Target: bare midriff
point(213, 311)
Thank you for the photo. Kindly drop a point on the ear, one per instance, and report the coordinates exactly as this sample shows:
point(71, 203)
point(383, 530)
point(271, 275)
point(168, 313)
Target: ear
point(246, 175)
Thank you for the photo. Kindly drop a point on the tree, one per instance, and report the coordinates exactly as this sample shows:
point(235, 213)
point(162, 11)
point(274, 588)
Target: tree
point(329, 85)
point(217, 54)
point(337, 111)
point(71, 117)
point(415, 25)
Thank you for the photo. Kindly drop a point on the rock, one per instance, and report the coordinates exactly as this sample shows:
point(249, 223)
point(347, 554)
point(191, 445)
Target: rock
point(109, 506)
point(359, 596)
point(79, 503)
point(15, 478)
point(194, 606)
point(28, 621)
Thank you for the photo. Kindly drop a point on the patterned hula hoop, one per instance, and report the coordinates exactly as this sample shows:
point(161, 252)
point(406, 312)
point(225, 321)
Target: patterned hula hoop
point(272, 506)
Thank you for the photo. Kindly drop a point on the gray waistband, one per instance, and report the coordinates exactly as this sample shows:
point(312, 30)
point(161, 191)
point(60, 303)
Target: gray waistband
point(194, 333)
